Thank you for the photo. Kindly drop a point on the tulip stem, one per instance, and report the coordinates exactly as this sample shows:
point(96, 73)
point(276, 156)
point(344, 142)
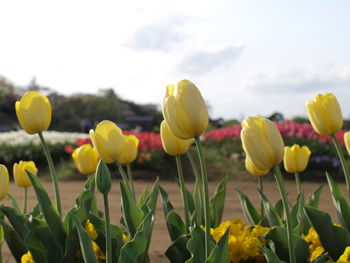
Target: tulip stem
point(183, 191)
point(53, 173)
point(124, 176)
point(206, 194)
point(283, 192)
point(297, 181)
point(200, 185)
point(343, 163)
point(128, 169)
point(261, 189)
point(25, 200)
point(108, 230)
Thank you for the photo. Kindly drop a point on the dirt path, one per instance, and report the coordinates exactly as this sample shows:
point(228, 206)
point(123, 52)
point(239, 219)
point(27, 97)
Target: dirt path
point(160, 238)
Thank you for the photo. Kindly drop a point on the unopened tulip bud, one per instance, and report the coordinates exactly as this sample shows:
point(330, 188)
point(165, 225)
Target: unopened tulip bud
point(296, 158)
point(20, 173)
point(184, 110)
point(34, 112)
point(325, 114)
point(262, 142)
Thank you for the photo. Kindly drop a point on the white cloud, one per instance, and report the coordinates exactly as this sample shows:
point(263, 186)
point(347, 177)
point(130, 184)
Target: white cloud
point(300, 79)
point(203, 61)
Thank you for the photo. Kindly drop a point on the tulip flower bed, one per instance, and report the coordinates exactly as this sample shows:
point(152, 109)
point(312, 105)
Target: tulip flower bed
point(291, 230)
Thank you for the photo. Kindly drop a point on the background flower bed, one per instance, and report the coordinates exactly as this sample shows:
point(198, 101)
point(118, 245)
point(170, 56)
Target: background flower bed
point(223, 150)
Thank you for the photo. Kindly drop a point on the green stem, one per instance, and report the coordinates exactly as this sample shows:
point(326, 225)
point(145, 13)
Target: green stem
point(283, 192)
point(122, 172)
point(206, 195)
point(200, 186)
point(25, 200)
point(108, 230)
point(53, 173)
point(261, 188)
point(183, 192)
point(128, 169)
point(297, 180)
point(343, 163)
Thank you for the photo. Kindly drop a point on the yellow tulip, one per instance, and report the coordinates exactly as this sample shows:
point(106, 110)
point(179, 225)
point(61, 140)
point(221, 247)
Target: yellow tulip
point(347, 141)
point(129, 152)
point(296, 158)
point(262, 142)
point(20, 174)
point(325, 114)
point(85, 159)
point(4, 181)
point(108, 141)
point(251, 168)
point(34, 112)
point(173, 145)
point(184, 110)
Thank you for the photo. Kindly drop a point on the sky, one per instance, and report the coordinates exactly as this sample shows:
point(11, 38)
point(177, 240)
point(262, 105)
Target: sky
point(247, 57)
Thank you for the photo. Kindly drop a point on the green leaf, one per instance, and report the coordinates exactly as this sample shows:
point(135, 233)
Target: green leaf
point(143, 197)
point(49, 211)
point(197, 216)
point(85, 242)
point(196, 246)
point(270, 256)
point(14, 202)
point(321, 259)
point(279, 207)
point(84, 202)
point(190, 201)
point(132, 214)
point(220, 252)
point(296, 214)
point(217, 203)
point(340, 203)
point(249, 210)
point(314, 198)
point(271, 213)
point(135, 251)
point(278, 241)
point(334, 239)
point(175, 225)
point(14, 242)
point(177, 251)
point(116, 236)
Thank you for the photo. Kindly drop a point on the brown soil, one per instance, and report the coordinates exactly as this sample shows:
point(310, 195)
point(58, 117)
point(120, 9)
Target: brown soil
point(160, 238)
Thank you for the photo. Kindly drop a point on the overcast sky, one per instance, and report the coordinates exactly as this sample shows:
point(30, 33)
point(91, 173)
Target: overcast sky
point(247, 57)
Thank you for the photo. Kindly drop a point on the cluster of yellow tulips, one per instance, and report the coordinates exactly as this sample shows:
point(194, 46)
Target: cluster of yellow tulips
point(194, 240)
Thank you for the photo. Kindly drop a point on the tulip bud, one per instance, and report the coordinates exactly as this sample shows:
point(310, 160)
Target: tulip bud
point(251, 168)
point(108, 141)
point(173, 145)
point(34, 112)
point(296, 158)
point(262, 142)
point(85, 159)
point(347, 141)
point(4, 181)
point(20, 173)
point(184, 110)
point(103, 178)
point(325, 114)
point(129, 152)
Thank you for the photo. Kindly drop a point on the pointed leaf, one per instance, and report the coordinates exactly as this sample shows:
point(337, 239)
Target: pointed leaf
point(14, 242)
point(314, 198)
point(196, 245)
point(270, 256)
point(271, 213)
point(85, 242)
point(249, 210)
point(220, 252)
point(340, 203)
point(178, 252)
point(49, 211)
point(217, 203)
point(132, 214)
point(334, 239)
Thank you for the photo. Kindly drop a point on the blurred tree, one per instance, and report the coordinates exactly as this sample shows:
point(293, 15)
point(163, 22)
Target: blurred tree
point(300, 120)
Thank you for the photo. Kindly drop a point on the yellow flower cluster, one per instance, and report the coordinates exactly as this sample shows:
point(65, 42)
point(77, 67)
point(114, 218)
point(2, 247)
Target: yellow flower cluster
point(243, 240)
point(316, 249)
point(27, 258)
point(345, 258)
